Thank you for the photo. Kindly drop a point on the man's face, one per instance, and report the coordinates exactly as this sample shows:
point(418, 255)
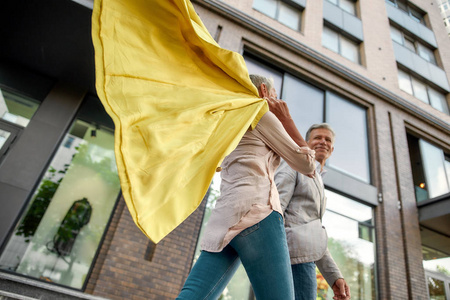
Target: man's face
point(321, 140)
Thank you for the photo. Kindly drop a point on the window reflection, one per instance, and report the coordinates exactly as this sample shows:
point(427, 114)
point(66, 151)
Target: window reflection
point(350, 231)
point(298, 95)
point(437, 179)
point(307, 107)
point(4, 135)
point(58, 236)
point(351, 149)
point(281, 11)
point(17, 109)
point(239, 287)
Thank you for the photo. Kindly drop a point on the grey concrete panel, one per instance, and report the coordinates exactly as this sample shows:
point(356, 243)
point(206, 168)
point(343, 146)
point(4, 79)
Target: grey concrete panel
point(421, 66)
point(343, 20)
point(28, 157)
point(403, 56)
point(16, 287)
point(333, 14)
point(11, 200)
point(439, 77)
point(353, 25)
point(59, 106)
point(302, 3)
point(353, 187)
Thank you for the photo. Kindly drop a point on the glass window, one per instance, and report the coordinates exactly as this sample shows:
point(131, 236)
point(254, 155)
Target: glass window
point(348, 6)
point(409, 43)
point(255, 67)
point(413, 13)
point(16, 108)
point(436, 289)
point(57, 238)
point(424, 92)
point(350, 231)
point(419, 90)
point(239, 287)
point(434, 165)
point(300, 95)
point(350, 49)
point(4, 135)
point(396, 35)
point(340, 44)
point(342, 114)
point(281, 11)
point(404, 82)
point(426, 54)
point(289, 16)
point(413, 45)
point(307, 107)
point(267, 7)
point(330, 39)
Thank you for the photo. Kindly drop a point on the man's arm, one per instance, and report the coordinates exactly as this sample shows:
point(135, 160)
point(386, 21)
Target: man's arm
point(333, 276)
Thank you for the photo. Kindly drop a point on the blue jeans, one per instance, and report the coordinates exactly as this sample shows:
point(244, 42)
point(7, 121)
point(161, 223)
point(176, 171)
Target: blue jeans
point(263, 251)
point(305, 282)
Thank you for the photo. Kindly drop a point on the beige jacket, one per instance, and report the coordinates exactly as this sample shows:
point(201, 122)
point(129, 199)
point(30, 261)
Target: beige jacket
point(248, 192)
point(303, 203)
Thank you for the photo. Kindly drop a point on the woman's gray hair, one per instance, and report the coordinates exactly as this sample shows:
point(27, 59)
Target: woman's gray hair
point(257, 80)
point(317, 126)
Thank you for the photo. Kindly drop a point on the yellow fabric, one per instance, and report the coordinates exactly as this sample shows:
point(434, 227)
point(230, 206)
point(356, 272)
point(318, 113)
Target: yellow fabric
point(179, 102)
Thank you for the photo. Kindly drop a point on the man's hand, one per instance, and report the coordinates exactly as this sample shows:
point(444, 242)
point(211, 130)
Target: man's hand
point(341, 290)
point(279, 108)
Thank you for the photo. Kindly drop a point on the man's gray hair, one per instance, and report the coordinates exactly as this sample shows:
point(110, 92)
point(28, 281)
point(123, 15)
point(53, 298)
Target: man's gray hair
point(317, 126)
point(257, 80)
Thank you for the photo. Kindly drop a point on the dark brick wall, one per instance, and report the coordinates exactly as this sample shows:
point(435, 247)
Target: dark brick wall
point(122, 270)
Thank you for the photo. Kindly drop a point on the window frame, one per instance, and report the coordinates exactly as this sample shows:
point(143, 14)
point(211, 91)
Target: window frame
point(338, 4)
point(415, 43)
point(406, 7)
point(340, 37)
point(402, 72)
point(15, 131)
point(290, 4)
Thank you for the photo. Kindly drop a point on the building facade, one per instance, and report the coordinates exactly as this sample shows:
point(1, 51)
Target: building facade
point(377, 71)
point(444, 6)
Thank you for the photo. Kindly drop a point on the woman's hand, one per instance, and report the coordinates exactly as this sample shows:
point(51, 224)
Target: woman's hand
point(279, 108)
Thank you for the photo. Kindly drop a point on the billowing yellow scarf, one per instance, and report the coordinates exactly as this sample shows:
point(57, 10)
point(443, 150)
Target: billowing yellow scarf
point(179, 102)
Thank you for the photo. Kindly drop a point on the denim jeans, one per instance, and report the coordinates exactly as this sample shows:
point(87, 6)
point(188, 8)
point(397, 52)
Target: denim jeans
point(263, 251)
point(305, 282)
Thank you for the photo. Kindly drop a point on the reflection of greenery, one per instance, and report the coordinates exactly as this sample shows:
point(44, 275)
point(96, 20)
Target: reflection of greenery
point(443, 270)
point(105, 167)
point(358, 276)
point(47, 189)
point(45, 193)
point(436, 289)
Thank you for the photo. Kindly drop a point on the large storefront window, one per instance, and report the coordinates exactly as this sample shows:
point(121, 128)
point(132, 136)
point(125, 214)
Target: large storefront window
point(309, 105)
point(350, 229)
point(57, 237)
point(239, 287)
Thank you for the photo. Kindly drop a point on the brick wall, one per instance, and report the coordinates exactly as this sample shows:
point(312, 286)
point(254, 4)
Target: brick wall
point(122, 270)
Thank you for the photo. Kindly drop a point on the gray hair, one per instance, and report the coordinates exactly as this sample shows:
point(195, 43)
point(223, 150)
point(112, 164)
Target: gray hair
point(317, 126)
point(257, 80)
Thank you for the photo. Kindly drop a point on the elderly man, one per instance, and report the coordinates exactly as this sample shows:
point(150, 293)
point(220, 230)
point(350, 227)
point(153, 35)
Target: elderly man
point(303, 203)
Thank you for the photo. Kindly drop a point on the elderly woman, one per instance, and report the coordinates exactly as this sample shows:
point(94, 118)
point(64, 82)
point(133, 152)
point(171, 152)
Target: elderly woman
point(246, 224)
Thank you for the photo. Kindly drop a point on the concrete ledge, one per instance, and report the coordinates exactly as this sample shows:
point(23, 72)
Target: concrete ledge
point(21, 288)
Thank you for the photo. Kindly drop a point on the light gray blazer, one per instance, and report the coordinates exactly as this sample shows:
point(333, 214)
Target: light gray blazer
point(303, 204)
